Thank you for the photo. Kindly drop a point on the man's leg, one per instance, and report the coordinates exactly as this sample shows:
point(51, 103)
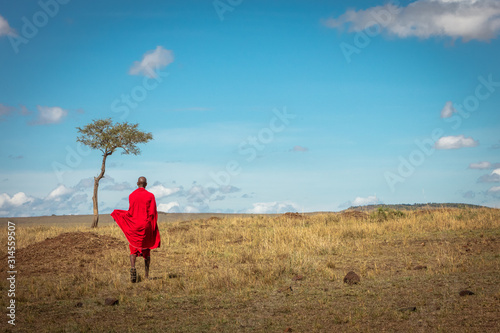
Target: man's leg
point(146, 253)
point(133, 272)
point(132, 260)
point(147, 261)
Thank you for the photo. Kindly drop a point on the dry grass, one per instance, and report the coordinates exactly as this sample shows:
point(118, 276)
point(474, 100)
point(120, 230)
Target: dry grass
point(268, 274)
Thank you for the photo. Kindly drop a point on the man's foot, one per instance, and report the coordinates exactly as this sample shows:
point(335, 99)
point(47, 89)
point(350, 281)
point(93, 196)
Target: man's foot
point(133, 275)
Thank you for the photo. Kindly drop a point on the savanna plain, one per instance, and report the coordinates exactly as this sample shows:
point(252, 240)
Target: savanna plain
point(264, 273)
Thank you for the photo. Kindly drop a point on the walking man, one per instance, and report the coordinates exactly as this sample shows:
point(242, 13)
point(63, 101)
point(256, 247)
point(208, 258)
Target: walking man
point(139, 224)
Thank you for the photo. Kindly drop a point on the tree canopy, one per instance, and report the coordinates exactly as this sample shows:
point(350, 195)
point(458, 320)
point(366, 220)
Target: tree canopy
point(102, 134)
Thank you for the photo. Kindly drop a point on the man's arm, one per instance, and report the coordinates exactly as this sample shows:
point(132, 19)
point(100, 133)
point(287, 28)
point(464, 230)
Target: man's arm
point(152, 212)
point(130, 206)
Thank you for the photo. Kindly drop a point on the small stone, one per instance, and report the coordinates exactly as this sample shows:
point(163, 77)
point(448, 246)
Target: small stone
point(285, 289)
point(419, 267)
point(111, 301)
point(352, 278)
point(288, 329)
point(408, 309)
point(79, 305)
point(465, 293)
point(298, 277)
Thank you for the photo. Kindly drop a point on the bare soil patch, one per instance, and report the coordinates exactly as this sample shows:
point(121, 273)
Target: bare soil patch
point(354, 214)
point(293, 215)
point(67, 252)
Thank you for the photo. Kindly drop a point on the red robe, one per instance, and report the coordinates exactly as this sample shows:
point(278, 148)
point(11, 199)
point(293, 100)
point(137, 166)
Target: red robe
point(139, 223)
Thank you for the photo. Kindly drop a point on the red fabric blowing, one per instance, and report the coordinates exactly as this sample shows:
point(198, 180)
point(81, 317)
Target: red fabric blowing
point(139, 223)
point(139, 252)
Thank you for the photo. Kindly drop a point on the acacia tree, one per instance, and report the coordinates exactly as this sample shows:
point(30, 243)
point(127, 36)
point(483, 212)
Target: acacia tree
point(107, 137)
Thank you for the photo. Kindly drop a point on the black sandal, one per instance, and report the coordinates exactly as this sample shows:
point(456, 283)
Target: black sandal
point(133, 275)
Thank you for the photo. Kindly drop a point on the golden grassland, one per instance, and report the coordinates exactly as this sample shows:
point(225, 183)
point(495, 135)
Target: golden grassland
point(266, 274)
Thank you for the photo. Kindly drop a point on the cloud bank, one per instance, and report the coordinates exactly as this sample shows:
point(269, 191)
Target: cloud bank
point(272, 208)
point(465, 19)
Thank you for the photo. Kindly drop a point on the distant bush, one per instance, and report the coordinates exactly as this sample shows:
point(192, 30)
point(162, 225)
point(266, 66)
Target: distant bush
point(384, 214)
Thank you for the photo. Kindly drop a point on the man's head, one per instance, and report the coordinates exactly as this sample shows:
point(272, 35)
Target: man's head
point(142, 182)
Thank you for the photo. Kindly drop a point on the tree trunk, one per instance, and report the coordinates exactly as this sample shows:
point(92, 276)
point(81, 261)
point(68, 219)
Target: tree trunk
point(96, 186)
point(94, 201)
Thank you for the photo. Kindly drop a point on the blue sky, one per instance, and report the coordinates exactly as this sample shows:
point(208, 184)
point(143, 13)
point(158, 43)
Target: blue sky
point(254, 106)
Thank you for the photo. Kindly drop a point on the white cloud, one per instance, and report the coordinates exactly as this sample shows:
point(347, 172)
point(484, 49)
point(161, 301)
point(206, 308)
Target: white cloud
point(85, 183)
point(448, 110)
point(60, 191)
point(16, 200)
point(480, 165)
point(191, 210)
point(361, 201)
point(494, 189)
point(161, 191)
point(493, 177)
point(5, 29)
point(118, 187)
point(49, 115)
point(370, 200)
point(152, 61)
point(466, 19)
point(171, 207)
point(455, 142)
point(61, 200)
point(227, 189)
point(272, 208)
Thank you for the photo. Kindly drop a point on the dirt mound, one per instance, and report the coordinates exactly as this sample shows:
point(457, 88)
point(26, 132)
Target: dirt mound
point(354, 214)
point(66, 252)
point(293, 215)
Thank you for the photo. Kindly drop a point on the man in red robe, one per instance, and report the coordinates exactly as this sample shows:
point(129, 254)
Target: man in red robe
point(139, 224)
